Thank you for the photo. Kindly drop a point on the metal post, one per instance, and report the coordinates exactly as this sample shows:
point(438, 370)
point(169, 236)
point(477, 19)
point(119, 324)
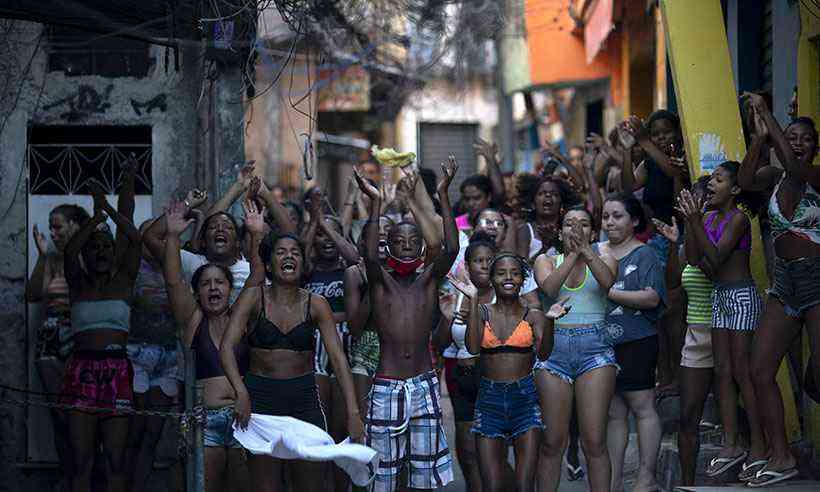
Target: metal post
point(190, 381)
point(199, 443)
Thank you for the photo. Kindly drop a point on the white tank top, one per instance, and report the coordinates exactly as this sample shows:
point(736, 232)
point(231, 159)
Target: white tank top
point(459, 331)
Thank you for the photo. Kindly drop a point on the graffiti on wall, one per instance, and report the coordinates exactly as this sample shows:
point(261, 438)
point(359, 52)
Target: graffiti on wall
point(84, 103)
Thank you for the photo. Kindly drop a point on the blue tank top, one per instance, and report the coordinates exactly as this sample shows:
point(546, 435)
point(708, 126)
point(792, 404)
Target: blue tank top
point(588, 300)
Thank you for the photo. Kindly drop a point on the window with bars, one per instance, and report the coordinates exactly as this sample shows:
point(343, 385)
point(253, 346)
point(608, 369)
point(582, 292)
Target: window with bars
point(64, 160)
point(76, 52)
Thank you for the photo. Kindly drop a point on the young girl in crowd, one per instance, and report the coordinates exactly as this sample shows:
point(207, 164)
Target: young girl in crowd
point(723, 237)
point(582, 364)
point(794, 297)
point(637, 298)
point(98, 374)
point(697, 361)
point(54, 337)
point(464, 372)
point(507, 335)
point(203, 315)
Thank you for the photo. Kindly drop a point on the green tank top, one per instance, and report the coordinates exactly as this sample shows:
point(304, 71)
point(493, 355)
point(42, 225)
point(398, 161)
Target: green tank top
point(698, 289)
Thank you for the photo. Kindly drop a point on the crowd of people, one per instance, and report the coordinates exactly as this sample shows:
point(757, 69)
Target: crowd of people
point(554, 304)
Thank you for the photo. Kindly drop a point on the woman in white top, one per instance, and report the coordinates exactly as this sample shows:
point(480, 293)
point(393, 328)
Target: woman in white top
point(450, 333)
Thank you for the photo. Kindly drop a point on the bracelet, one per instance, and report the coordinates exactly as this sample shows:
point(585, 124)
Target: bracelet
point(349, 204)
point(187, 204)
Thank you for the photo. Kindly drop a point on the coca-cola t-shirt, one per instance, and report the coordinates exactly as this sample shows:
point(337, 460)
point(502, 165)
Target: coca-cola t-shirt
point(330, 285)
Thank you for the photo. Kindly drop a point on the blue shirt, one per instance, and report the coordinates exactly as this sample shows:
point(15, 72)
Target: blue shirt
point(636, 271)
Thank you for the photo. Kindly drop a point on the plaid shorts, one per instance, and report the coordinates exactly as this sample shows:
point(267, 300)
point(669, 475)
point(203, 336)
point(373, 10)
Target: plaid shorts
point(736, 306)
point(404, 427)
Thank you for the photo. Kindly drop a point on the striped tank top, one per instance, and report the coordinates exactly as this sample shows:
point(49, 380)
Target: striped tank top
point(699, 296)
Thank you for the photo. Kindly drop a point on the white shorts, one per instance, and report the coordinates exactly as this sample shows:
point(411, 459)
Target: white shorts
point(155, 366)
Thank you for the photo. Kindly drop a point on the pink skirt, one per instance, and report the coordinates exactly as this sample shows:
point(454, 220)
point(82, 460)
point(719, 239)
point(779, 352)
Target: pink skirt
point(98, 379)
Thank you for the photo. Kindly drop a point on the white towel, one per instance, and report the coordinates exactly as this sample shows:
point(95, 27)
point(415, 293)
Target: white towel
point(288, 438)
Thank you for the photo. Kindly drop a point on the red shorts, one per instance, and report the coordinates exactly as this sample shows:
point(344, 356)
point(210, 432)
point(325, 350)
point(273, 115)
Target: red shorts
point(98, 379)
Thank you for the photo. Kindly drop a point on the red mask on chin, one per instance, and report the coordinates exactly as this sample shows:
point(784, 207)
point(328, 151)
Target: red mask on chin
point(404, 268)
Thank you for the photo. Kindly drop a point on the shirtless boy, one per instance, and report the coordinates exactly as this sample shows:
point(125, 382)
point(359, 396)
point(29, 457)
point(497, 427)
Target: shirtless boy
point(405, 398)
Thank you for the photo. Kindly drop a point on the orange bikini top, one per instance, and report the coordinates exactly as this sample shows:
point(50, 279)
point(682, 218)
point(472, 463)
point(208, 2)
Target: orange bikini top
point(521, 340)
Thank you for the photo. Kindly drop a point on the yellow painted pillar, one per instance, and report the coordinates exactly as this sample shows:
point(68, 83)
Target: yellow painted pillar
point(698, 50)
point(808, 104)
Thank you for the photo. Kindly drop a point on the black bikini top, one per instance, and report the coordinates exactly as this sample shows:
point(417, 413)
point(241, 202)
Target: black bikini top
point(268, 336)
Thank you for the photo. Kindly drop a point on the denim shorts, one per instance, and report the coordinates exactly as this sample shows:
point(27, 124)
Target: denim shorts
point(219, 428)
point(578, 350)
point(795, 284)
point(506, 409)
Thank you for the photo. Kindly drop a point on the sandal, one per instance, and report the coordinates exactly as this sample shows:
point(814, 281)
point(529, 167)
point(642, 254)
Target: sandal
point(764, 478)
point(574, 473)
point(749, 471)
point(720, 465)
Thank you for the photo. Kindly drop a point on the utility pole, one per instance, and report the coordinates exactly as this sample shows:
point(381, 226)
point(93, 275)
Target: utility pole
point(506, 133)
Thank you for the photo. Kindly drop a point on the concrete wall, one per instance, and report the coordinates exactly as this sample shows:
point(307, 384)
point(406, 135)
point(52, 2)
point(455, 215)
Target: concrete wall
point(29, 87)
point(439, 102)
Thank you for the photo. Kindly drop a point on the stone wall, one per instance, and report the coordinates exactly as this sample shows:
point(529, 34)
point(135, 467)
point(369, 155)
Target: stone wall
point(28, 88)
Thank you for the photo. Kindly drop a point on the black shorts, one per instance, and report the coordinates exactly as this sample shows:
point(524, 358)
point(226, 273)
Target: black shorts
point(638, 360)
point(467, 379)
point(293, 397)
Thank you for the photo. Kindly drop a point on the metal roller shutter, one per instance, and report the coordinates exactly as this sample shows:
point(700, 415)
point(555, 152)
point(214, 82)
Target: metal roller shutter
point(437, 141)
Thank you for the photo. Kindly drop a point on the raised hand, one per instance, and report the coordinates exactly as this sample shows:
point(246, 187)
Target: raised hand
point(486, 149)
point(254, 218)
point(195, 198)
point(407, 184)
point(634, 126)
point(755, 101)
point(254, 186)
point(368, 189)
point(670, 232)
point(688, 206)
point(595, 141)
point(760, 127)
point(246, 174)
point(175, 220)
point(448, 172)
point(559, 309)
point(98, 195)
point(465, 286)
point(39, 240)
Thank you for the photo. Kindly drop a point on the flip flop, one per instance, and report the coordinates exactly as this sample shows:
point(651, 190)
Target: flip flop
point(720, 465)
point(574, 473)
point(764, 478)
point(749, 471)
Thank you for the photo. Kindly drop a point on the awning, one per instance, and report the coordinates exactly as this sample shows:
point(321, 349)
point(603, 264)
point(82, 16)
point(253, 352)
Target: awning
point(597, 28)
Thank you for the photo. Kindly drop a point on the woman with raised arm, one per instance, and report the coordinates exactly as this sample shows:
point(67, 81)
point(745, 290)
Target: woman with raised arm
point(637, 299)
point(100, 272)
point(202, 311)
point(279, 322)
point(48, 284)
point(582, 364)
point(507, 335)
point(794, 298)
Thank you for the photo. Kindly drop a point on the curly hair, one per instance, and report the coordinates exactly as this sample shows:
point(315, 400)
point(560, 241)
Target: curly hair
point(72, 213)
point(529, 190)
